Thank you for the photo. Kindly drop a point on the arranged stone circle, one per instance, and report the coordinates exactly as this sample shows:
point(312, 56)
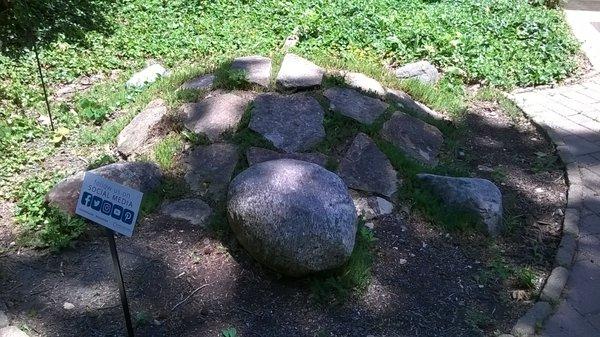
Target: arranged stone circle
point(293, 208)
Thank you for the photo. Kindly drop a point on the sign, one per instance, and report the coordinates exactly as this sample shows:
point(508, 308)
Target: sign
point(108, 203)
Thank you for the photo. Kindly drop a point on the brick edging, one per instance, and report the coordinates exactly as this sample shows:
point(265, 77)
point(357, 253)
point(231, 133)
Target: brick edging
point(529, 324)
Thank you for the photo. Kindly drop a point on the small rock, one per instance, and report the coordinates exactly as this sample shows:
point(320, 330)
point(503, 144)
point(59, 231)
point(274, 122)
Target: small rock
point(256, 155)
point(364, 167)
point(484, 168)
point(256, 67)
point(479, 196)
point(364, 83)
point(370, 207)
point(407, 104)
point(402, 261)
point(528, 323)
point(291, 41)
point(355, 105)
point(298, 73)
point(3, 320)
point(204, 82)
point(422, 71)
point(293, 216)
point(12, 331)
point(141, 176)
point(146, 76)
point(214, 116)
point(136, 136)
point(413, 136)
point(196, 211)
point(292, 123)
point(209, 169)
point(370, 225)
point(68, 306)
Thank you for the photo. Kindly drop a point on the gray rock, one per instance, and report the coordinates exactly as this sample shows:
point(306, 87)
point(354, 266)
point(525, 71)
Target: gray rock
point(196, 211)
point(292, 123)
point(214, 116)
point(422, 71)
point(535, 316)
point(203, 82)
point(12, 331)
point(298, 73)
point(256, 155)
point(146, 76)
point(293, 216)
point(370, 206)
point(364, 167)
point(257, 68)
point(209, 169)
point(365, 83)
point(414, 137)
point(409, 105)
point(136, 136)
point(3, 320)
point(479, 196)
point(141, 176)
point(353, 104)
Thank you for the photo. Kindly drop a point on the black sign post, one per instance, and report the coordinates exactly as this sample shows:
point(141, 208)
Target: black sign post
point(110, 234)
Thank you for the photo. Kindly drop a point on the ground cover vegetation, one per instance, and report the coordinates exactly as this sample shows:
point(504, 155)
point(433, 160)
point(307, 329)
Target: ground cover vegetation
point(498, 43)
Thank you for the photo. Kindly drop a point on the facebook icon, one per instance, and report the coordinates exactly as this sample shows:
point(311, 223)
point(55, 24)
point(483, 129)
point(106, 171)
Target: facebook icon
point(86, 199)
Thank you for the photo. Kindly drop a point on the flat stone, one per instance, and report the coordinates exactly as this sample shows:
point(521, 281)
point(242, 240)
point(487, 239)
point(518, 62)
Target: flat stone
point(256, 67)
point(370, 206)
point(209, 169)
point(292, 216)
point(566, 250)
point(554, 285)
point(195, 211)
point(355, 105)
point(256, 155)
point(135, 137)
point(414, 137)
point(3, 320)
point(146, 76)
point(214, 116)
point(364, 83)
point(365, 168)
point(292, 123)
point(571, 221)
point(12, 331)
point(526, 325)
point(479, 196)
point(141, 176)
point(298, 73)
point(409, 105)
point(421, 70)
point(203, 82)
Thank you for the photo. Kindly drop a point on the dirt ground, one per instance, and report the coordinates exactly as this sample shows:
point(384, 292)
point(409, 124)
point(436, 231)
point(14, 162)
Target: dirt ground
point(437, 291)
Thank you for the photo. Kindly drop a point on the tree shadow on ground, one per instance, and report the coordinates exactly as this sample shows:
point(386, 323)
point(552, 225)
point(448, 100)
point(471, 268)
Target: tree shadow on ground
point(23, 22)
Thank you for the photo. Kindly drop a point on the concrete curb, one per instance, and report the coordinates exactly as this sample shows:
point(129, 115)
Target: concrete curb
point(532, 321)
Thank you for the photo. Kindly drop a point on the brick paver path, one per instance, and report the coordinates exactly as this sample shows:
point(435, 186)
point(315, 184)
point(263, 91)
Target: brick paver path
point(571, 116)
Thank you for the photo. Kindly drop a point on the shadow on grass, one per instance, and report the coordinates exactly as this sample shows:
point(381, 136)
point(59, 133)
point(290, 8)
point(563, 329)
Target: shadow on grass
point(22, 22)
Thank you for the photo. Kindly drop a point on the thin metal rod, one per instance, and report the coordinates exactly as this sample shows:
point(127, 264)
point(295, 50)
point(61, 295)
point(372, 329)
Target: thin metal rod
point(39, 66)
point(119, 278)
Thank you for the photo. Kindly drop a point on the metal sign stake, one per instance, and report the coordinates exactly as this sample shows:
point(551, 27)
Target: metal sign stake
point(110, 234)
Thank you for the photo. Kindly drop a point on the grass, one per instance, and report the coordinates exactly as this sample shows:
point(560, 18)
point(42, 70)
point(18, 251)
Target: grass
point(166, 151)
point(354, 277)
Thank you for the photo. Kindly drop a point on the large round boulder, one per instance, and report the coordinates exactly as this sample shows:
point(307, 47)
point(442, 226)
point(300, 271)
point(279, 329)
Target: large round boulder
point(293, 216)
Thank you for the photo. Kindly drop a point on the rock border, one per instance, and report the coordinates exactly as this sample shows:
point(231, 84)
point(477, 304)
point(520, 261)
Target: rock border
point(552, 290)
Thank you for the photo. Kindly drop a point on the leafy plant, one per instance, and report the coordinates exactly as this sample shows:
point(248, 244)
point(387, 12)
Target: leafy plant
point(91, 111)
point(229, 332)
point(43, 225)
